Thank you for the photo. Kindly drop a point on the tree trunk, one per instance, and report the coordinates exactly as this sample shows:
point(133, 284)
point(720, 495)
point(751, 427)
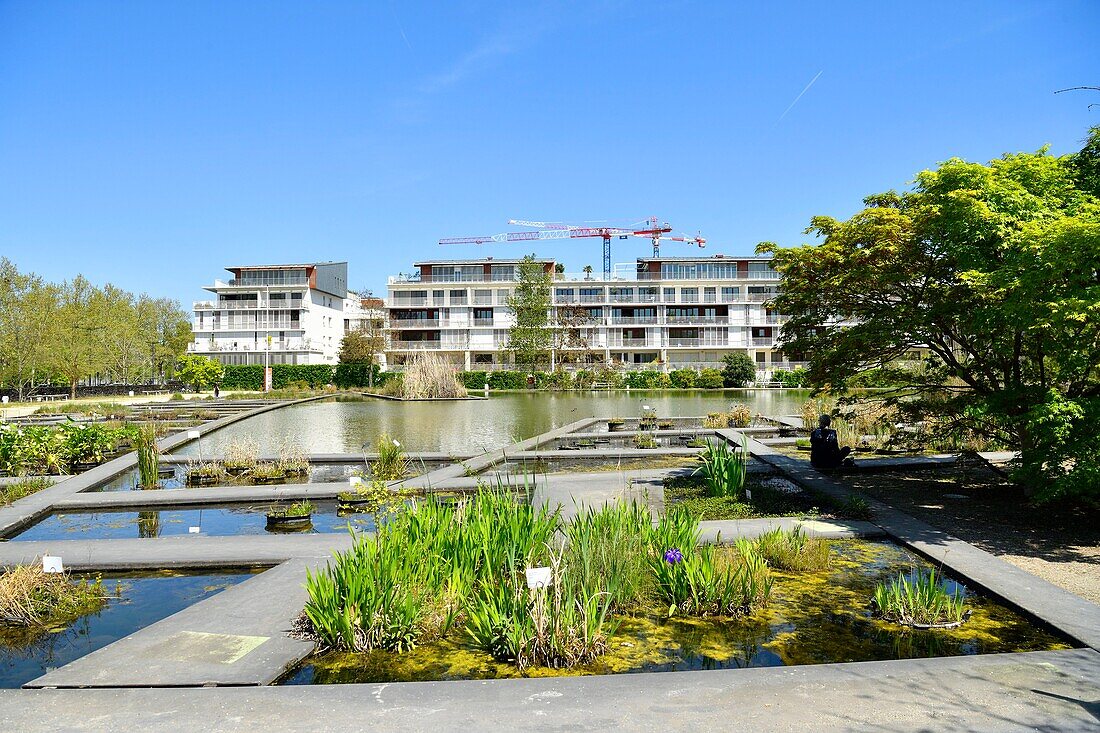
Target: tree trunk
point(72, 389)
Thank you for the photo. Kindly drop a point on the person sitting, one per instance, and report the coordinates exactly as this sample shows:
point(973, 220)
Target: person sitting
point(825, 453)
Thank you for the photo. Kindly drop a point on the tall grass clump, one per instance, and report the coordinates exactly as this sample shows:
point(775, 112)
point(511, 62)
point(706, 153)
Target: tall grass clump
point(430, 376)
point(740, 416)
point(920, 600)
point(241, 456)
point(724, 469)
point(793, 550)
point(610, 546)
point(391, 463)
point(148, 455)
point(31, 597)
point(812, 410)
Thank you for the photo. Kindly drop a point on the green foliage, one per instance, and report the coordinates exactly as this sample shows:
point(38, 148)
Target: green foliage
point(199, 371)
point(740, 415)
point(358, 374)
point(1066, 461)
point(710, 379)
point(682, 378)
point(793, 550)
point(724, 469)
point(315, 375)
point(738, 370)
point(148, 455)
point(794, 378)
point(710, 580)
point(42, 449)
point(391, 463)
point(1006, 256)
point(23, 487)
point(647, 380)
point(530, 336)
point(250, 377)
point(243, 376)
point(920, 600)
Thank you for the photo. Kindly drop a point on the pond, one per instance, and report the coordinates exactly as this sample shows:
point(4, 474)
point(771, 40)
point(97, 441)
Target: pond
point(212, 521)
point(351, 425)
point(812, 618)
point(135, 601)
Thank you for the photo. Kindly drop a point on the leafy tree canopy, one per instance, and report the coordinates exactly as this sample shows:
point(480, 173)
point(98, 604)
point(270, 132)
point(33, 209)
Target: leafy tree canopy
point(530, 337)
point(994, 272)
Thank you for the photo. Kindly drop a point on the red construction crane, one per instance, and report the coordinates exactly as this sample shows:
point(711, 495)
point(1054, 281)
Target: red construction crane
point(650, 229)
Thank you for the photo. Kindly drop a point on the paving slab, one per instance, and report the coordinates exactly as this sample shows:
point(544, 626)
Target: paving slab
point(236, 637)
point(184, 551)
point(1069, 613)
point(729, 529)
point(1053, 692)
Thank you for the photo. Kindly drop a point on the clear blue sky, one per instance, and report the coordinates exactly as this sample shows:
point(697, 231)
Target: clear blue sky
point(149, 144)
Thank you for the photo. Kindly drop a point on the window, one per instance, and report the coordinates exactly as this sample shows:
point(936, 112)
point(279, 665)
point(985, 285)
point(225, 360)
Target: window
point(670, 295)
point(698, 270)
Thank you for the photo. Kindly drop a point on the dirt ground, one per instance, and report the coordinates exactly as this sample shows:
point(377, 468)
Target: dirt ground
point(1059, 544)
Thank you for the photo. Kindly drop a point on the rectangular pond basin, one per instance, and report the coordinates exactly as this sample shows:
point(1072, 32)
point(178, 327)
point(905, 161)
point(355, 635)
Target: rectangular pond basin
point(132, 602)
point(175, 476)
point(812, 618)
point(218, 520)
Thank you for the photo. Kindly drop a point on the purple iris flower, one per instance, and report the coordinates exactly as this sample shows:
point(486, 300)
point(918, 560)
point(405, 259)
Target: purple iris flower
point(674, 556)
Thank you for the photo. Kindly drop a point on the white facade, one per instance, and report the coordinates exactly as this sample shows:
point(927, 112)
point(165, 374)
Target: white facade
point(275, 314)
point(663, 313)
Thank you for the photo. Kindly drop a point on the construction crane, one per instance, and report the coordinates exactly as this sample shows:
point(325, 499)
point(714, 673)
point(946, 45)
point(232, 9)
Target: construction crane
point(650, 229)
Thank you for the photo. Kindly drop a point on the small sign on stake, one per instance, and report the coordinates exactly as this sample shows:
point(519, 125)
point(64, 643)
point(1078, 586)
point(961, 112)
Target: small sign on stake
point(194, 434)
point(355, 481)
point(52, 564)
point(538, 577)
point(194, 530)
point(748, 494)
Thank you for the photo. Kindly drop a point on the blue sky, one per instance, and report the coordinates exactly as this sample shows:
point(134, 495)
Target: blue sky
point(149, 144)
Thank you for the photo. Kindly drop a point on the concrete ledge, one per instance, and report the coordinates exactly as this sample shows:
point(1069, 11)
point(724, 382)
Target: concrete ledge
point(236, 637)
point(730, 529)
point(1046, 691)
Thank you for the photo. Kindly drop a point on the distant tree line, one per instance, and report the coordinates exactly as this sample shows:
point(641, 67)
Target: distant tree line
point(64, 333)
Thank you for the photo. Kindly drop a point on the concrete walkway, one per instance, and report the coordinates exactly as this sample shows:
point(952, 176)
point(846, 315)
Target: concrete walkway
point(1053, 692)
point(236, 637)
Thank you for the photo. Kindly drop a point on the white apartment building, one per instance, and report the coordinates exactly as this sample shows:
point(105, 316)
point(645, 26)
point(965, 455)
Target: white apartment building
point(661, 312)
point(276, 314)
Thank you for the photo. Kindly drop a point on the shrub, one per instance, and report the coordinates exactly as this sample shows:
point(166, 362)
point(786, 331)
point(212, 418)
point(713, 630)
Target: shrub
point(919, 600)
point(647, 380)
point(474, 381)
point(738, 370)
point(796, 378)
point(716, 420)
point(682, 378)
point(175, 397)
point(793, 550)
point(357, 374)
point(709, 379)
point(507, 380)
point(243, 376)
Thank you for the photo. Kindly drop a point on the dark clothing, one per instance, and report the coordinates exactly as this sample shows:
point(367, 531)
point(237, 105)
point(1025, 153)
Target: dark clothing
point(824, 450)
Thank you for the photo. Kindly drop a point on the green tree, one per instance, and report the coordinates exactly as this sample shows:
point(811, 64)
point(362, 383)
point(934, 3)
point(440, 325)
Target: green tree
point(199, 371)
point(530, 337)
point(77, 332)
point(993, 271)
point(738, 369)
point(362, 347)
point(27, 306)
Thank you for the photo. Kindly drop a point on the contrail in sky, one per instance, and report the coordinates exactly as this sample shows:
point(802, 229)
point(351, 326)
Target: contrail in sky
point(792, 104)
point(400, 27)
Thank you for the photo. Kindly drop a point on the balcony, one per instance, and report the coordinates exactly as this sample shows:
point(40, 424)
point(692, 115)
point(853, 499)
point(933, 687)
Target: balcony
point(408, 302)
point(483, 321)
point(617, 342)
point(400, 345)
point(680, 341)
point(634, 320)
point(696, 319)
point(765, 341)
point(592, 298)
point(416, 323)
point(760, 297)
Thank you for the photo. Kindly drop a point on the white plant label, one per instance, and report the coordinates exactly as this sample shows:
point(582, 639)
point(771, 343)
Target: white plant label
point(355, 481)
point(52, 564)
point(538, 577)
point(194, 530)
point(194, 434)
point(748, 494)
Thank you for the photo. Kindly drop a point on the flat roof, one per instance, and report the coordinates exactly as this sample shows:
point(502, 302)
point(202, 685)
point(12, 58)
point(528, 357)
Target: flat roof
point(711, 258)
point(283, 267)
point(481, 261)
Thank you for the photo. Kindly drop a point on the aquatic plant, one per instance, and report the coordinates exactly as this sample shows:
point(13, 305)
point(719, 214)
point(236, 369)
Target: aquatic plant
point(391, 463)
point(644, 440)
point(919, 600)
point(608, 549)
point(31, 597)
point(23, 487)
point(148, 455)
point(812, 410)
point(267, 472)
point(706, 580)
point(793, 550)
point(373, 496)
point(206, 473)
point(430, 376)
point(723, 468)
point(299, 509)
point(716, 420)
point(855, 507)
point(739, 416)
point(292, 460)
point(241, 456)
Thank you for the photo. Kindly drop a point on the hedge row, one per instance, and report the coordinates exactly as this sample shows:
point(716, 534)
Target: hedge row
point(589, 378)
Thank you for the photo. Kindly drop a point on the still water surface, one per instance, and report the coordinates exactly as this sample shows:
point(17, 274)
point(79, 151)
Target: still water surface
point(468, 426)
